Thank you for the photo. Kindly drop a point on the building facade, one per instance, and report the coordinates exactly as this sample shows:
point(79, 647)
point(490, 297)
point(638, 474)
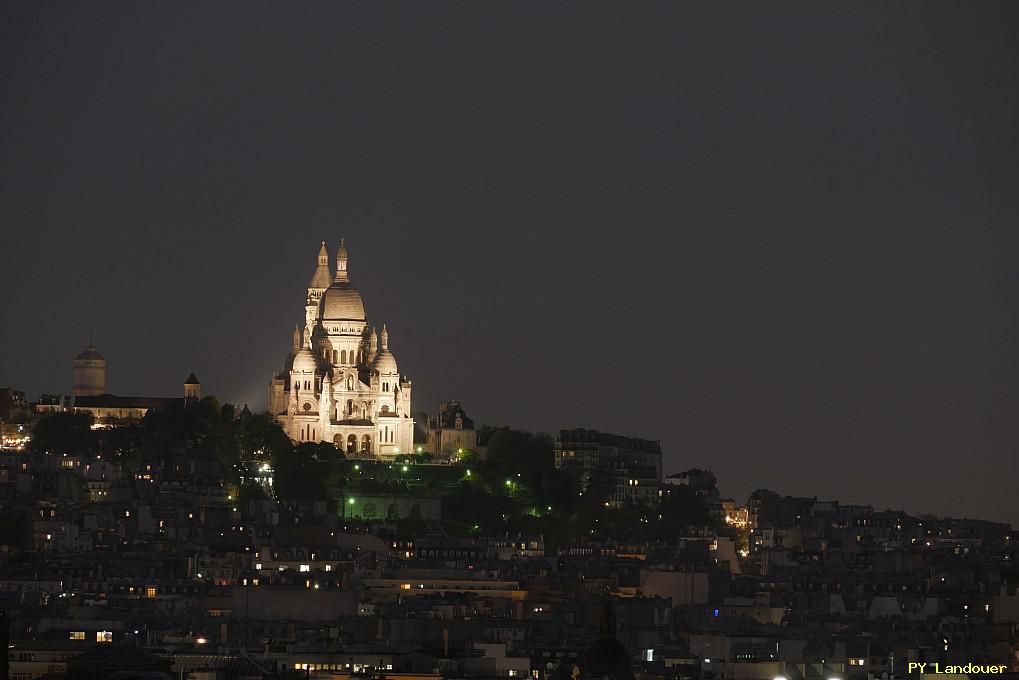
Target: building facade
point(109, 410)
point(451, 434)
point(635, 465)
point(340, 382)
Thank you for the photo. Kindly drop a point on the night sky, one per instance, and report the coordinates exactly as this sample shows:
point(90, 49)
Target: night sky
point(781, 237)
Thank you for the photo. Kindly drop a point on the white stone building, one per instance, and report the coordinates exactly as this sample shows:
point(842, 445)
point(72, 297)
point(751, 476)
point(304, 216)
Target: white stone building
point(340, 382)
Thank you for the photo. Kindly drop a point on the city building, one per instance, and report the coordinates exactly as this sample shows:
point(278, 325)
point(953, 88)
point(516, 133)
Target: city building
point(451, 433)
point(12, 404)
point(108, 410)
point(635, 465)
point(53, 403)
point(340, 382)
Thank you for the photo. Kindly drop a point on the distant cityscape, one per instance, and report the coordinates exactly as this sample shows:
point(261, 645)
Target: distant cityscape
point(342, 534)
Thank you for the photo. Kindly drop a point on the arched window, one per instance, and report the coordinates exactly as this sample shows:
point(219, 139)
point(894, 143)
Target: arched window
point(366, 444)
point(350, 407)
point(343, 356)
point(352, 444)
point(334, 356)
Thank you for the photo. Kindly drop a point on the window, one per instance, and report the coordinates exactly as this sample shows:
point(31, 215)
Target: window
point(104, 636)
point(343, 356)
point(305, 567)
point(150, 592)
point(77, 635)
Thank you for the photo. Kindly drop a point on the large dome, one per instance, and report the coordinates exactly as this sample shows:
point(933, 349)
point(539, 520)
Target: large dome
point(89, 354)
point(342, 302)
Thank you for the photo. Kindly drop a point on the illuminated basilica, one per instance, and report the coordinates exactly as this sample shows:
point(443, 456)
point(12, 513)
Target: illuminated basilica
point(340, 381)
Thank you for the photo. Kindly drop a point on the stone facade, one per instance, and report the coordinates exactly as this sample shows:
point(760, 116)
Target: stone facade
point(340, 382)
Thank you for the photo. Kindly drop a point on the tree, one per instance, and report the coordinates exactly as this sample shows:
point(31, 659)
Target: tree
point(298, 476)
point(61, 433)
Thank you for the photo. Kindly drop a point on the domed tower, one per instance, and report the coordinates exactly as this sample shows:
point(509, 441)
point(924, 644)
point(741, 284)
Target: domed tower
point(341, 316)
point(384, 362)
point(89, 372)
point(303, 407)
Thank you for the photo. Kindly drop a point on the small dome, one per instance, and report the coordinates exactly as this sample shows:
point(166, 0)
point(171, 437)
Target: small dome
point(89, 354)
point(342, 302)
point(305, 361)
point(385, 362)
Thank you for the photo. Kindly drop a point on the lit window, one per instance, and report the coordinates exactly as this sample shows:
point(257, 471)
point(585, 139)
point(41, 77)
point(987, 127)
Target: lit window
point(77, 635)
point(305, 567)
point(150, 591)
point(104, 636)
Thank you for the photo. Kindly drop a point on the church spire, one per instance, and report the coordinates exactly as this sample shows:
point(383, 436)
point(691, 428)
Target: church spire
point(385, 337)
point(296, 343)
point(341, 262)
point(373, 346)
point(320, 280)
